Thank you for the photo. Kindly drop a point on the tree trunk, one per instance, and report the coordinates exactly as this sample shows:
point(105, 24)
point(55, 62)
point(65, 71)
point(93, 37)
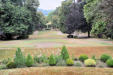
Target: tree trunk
point(88, 34)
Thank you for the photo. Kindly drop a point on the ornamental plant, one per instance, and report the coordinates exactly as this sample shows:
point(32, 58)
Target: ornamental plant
point(105, 57)
point(90, 62)
point(64, 53)
point(29, 61)
point(109, 62)
point(83, 57)
point(69, 62)
point(52, 61)
point(10, 65)
point(19, 59)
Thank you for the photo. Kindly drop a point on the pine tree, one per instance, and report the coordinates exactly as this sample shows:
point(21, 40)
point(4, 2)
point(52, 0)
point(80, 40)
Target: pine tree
point(19, 59)
point(29, 61)
point(64, 53)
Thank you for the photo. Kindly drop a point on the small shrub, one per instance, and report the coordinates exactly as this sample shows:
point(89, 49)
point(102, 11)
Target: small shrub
point(5, 61)
point(78, 64)
point(43, 59)
point(90, 62)
point(29, 61)
point(64, 53)
point(52, 61)
point(109, 62)
point(83, 58)
point(58, 58)
point(36, 59)
point(3, 67)
point(61, 63)
point(19, 59)
point(93, 57)
point(101, 64)
point(69, 62)
point(11, 65)
point(105, 57)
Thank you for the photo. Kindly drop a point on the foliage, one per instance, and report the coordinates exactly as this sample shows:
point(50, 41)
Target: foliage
point(18, 18)
point(14, 21)
point(5, 61)
point(90, 62)
point(36, 59)
point(83, 57)
point(104, 57)
point(59, 58)
point(64, 11)
point(3, 67)
point(99, 15)
point(69, 62)
point(52, 61)
point(53, 18)
point(19, 59)
point(29, 61)
point(61, 63)
point(43, 59)
point(78, 64)
point(11, 65)
point(93, 57)
point(110, 62)
point(64, 53)
point(42, 21)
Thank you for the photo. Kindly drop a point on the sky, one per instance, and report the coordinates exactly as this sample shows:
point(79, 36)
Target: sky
point(49, 4)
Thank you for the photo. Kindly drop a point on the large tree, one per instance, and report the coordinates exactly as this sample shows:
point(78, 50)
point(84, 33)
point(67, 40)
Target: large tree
point(63, 13)
point(98, 14)
point(74, 20)
point(18, 18)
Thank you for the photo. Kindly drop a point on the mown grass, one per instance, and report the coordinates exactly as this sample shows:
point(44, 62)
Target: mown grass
point(58, 71)
point(51, 37)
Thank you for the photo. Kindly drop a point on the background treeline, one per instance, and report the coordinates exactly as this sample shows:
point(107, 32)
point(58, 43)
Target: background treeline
point(19, 18)
point(92, 16)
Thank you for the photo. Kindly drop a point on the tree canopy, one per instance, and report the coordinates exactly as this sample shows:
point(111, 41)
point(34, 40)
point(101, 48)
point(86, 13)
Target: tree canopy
point(18, 18)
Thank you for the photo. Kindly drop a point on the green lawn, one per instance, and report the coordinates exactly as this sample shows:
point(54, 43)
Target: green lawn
point(44, 39)
point(48, 39)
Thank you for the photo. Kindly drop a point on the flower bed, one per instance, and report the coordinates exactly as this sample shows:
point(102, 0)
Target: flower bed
point(62, 59)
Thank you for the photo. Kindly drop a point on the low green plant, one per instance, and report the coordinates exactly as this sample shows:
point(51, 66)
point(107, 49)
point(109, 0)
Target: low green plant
point(109, 62)
point(36, 59)
point(5, 61)
point(52, 61)
point(64, 53)
point(11, 65)
point(43, 59)
point(83, 57)
point(58, 58)
point(69, 62)
point(78, 64)
point(105, 57)
point(61, 63)
point(19, 59)
point(94, 58)
point(3, 67)
point(90, 62)
point(29, 61)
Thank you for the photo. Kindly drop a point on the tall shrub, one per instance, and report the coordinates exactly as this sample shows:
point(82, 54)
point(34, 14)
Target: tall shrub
point(52, 61)
point(19, 59)
point(64, 53)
